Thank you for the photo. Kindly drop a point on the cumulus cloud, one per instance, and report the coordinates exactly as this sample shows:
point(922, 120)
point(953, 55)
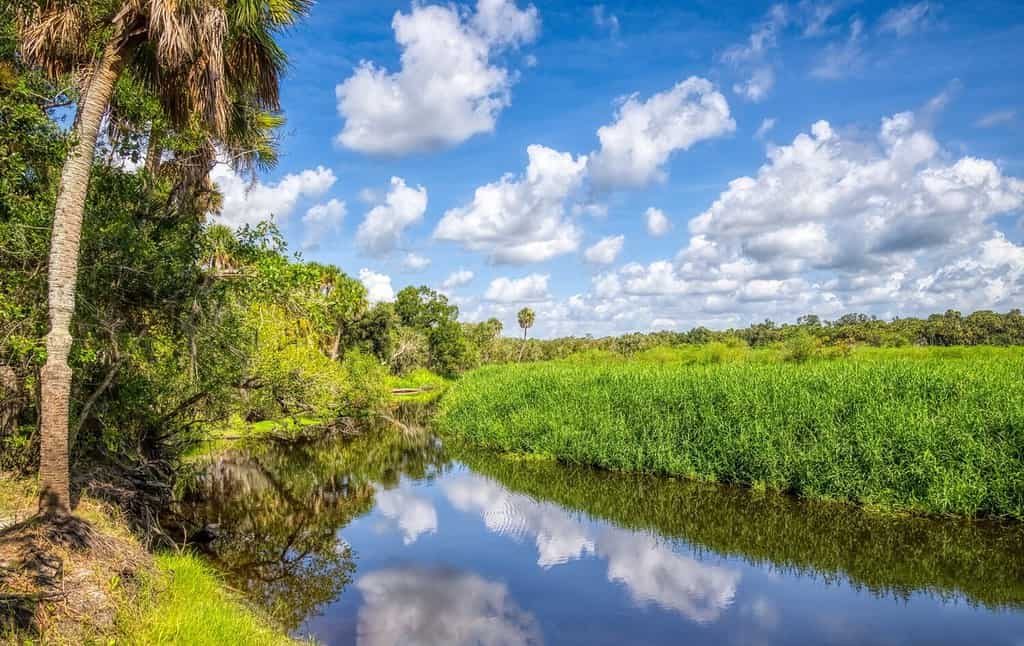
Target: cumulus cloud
point(248, 202)
point(890, 225)
point(521, 220)
point(456, 279)
point(321, 219)
point(447, 90)
point(643, 137)
point(440, 606)
point(378, 286)
point(903, 21)
point(605, 250)
point(657, 222)
point(415, 262)
point(518, 290)
point(382, 228)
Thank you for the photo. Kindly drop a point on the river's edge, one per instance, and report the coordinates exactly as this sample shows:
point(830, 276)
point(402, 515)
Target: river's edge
point(90, 580)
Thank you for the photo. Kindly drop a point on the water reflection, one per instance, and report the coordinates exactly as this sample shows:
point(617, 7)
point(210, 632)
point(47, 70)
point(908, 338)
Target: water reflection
point(413, 514)
point(416, 605)
point(649, 568)
point(887, 555)
point(273, 513)
point(493, 550)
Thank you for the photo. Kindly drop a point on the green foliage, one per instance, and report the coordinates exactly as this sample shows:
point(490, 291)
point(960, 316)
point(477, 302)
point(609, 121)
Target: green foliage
point(366, 389)
point(834, 338)
point(927, 434)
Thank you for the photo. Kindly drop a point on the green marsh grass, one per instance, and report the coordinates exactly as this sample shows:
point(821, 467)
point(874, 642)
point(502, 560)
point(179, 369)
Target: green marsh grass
point(190, 605)
point(904, 429)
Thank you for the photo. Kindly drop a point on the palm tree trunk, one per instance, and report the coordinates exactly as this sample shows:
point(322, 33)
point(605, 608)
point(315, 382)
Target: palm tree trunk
point(336, 345)
point(55, 377)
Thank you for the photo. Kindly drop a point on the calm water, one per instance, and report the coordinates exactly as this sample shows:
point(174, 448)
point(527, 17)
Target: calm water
point(387, 540)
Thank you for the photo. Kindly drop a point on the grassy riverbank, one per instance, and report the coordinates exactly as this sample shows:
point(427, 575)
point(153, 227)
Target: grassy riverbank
point(89, 581)
point(926, 432)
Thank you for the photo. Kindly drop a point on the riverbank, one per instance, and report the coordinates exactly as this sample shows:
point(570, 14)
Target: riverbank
point(89, 580)
point(938, 433)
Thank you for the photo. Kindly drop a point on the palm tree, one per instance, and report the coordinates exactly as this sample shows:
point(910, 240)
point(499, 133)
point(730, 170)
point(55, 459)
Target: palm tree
point(219, 253)
point(526, 318)
point(206, 60)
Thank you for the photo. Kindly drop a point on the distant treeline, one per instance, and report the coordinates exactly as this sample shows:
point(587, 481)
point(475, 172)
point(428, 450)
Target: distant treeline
point(983, 327)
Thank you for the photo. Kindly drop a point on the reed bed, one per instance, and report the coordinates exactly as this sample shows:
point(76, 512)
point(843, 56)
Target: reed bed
point(940, 434)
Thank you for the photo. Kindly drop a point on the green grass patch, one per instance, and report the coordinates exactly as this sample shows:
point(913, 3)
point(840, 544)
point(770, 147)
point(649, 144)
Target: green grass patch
point(190, 605)
point(896, 429)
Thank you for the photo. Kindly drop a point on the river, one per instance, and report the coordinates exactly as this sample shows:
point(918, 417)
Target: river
point(390, 538)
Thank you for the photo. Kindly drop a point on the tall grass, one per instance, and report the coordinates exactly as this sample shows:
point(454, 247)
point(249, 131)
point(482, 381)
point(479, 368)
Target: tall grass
point(191, 606)
point(929, 434)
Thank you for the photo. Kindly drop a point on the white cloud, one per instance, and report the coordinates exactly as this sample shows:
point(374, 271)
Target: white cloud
point(766, 126)
point(751, 57)
point(456, 279)
point(635, 148)
point(519, 290)
point(906, 20)
point(521, 220)
point(765, 36)
point(415, 262)
point(320, 219)
point(839, 60)
point(815, 16)
point(758, 85)
point(605, 250)
point(254, 202)
point(378, 286)
point(657, 222)
point(382, 228)
point(606, 21)
point(440, 606)
point(447, 89)
point(996, 118)
point(891, 225)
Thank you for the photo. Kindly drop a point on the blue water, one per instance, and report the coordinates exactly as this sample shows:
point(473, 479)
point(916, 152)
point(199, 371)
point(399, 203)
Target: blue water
point(362, 545)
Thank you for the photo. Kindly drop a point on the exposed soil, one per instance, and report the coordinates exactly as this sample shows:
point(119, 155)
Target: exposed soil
point(61, 579)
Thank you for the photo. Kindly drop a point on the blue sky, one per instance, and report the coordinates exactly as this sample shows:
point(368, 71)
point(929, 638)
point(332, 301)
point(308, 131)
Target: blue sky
point(881, 142)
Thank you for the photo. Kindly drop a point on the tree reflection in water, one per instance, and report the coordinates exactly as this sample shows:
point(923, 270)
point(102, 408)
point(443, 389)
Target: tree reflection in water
point(889, 555)
point(276, 512)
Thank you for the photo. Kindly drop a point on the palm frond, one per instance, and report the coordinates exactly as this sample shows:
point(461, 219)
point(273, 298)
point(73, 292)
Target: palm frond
point(53, 35)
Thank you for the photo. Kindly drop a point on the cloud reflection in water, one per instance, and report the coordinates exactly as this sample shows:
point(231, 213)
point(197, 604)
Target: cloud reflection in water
point(419, 605)
point(648, 568)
